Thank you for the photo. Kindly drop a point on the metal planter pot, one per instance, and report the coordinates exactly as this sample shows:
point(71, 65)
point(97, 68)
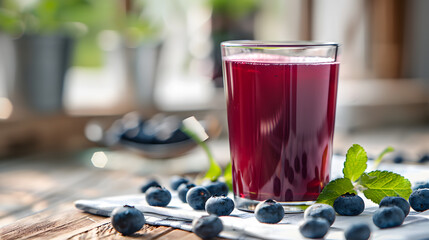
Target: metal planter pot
point(142, 66)
point(41, 64)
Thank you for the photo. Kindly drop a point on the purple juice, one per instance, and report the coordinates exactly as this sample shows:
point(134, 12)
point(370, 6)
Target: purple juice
point(281, 115)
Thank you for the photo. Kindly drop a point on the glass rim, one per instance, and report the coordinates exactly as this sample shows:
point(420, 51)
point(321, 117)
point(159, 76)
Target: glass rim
point(277, 44)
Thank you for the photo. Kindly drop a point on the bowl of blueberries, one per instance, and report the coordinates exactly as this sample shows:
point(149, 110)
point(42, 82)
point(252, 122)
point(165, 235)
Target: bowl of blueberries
point(158, 137)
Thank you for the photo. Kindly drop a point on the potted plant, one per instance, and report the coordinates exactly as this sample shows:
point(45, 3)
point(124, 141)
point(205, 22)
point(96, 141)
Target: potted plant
point(42, 32)
point(140, 33)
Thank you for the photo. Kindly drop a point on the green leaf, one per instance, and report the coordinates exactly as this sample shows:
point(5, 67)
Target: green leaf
point(214, 171)
point(380, 184)
point(227, 175)
point(380, 157)
point(355, 163)
point(334, 189)
point(9, 22)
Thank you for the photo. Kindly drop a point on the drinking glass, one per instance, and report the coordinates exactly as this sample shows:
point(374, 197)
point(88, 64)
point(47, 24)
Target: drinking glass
point(281, 101)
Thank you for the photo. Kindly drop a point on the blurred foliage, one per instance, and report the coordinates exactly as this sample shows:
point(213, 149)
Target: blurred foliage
point(78, 18)
point(42, 16)
point(136, 23)
point(100, 16)
point(233, 9)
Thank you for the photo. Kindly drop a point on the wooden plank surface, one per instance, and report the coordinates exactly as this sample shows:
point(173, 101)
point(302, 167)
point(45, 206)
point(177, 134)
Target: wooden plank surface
point(37, 201)
point(37, 192)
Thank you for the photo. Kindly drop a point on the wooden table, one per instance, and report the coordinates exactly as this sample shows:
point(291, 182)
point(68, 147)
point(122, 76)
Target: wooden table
point(37, 194)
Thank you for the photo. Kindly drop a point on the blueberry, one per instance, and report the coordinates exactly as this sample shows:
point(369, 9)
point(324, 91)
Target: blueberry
point(269, 211)
point(387, 217)
point(424, 158)
point(314, 228)
point(358, 231)
point(321, 210)
point(175, 182)
point(183, 190)
point(207, 227)
point(216, 188)
point(419, 200)
point(197, 197)
point(127, 220)
point(349, 204)
point(420, 185)
point(396, 201)
point(159, 197)
point(398, 159)
point(148, 184)
point(220, 205)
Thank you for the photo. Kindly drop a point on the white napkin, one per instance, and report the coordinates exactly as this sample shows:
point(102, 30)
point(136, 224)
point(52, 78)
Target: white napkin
point(243, 225)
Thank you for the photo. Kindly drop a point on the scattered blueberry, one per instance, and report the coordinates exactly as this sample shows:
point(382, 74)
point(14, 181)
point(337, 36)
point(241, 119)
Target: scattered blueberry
point(419, 200)
point(321, 210)
point(176, 181)
point(269, 211)
point(159, 197)
point(197, 197)
point(207, 227)
point(183, 190)
point(349, 204)
point(398, 159)
point(396, 201)
point(387, 217)
point(220, 205)
point(216, 188)
point(359, 231)
point(420, 185)
point(424, 158)
point(148, 184)
point(127, 220)
point(314, 228)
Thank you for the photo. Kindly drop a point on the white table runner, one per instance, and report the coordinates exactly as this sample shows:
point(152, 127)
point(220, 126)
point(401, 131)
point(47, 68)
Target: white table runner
point(243, 225)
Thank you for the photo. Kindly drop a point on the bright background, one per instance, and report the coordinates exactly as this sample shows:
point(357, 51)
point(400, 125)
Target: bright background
point(118, 56)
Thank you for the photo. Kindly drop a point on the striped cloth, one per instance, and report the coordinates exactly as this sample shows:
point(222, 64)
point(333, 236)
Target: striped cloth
point(243, 225)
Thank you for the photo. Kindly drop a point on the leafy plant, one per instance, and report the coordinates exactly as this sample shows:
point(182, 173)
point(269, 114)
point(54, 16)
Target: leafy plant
point(375, 185)
point(42, 16)
point(233, 9)
point(137, 23)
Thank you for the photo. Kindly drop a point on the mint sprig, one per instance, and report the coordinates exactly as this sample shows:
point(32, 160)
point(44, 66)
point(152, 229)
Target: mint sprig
point(192, 128)
point(375, 185)
point(214, 171)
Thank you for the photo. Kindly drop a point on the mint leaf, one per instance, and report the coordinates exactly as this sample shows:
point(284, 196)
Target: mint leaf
point(380, 157)
point(380, 184)
point(334, 189)
point(355, 163)
point(214, 171)
point(227, 175)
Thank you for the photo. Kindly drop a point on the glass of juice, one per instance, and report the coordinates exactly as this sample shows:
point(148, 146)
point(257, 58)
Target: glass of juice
point(281, 101)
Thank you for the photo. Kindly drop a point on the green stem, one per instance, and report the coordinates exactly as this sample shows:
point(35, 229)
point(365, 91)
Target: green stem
point(207, 150)
point(214, 171)
point(380, 157)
